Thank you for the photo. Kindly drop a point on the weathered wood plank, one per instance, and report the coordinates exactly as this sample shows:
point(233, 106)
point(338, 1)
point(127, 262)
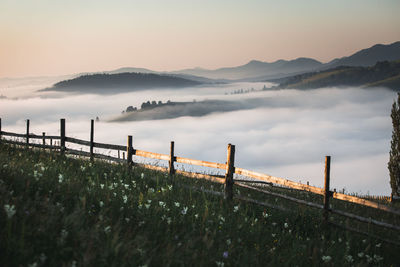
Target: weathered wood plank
point(96, 155)
point(151, 155)
point(13, 134)
point(30, 144)
point(201, 163)
point(201, 176)
point(110, 146)
point(151, 167)
point(365, 202)
point(77, 141)
point(280, 181)
point(77, 152)
point(299, 201)
point(366, 220)
point(35, 136)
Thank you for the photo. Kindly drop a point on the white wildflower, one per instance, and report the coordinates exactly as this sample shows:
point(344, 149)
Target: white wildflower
point(83, 168)
point(228, 242)
point(184, 211)
point(147, 206)
point(349, 258)
point(60, 178)
point(377, 258)
point(196, 216)
point(102, 186)
point(220, 263)
point(369, 258)
point(326, 258)
point(361, 254)
point(378, 245)
point(286, 225)
point(177, 204)
point(10, 210)
point(107, 229)
point(142, 175)
point(101, 204)
point(125, 199)
point(162, 204)
point(169, 187)
point(235, 208)
point(127, 220)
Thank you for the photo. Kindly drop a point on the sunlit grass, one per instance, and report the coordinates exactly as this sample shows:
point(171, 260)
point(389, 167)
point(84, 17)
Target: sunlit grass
point(57, 211)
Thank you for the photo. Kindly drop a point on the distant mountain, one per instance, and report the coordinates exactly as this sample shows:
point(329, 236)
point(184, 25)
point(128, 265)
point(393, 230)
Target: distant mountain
point(120, 82)
point(261, 71)
point(256, 68)
point(129, 69)
point(382, 74)
point(369, 57)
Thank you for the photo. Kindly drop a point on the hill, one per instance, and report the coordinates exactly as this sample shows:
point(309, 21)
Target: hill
point(256, 68)
point(369, 56)
point(121, 82)
point(382, 74)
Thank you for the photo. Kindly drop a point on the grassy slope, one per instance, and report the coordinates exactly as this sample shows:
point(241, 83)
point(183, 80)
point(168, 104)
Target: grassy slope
point(384, 74)
point(73, 211)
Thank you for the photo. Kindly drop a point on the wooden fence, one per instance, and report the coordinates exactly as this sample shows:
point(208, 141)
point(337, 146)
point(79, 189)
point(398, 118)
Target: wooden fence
point(227, 179)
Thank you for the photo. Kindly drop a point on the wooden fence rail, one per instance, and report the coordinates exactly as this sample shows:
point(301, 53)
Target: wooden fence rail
point(228, 180)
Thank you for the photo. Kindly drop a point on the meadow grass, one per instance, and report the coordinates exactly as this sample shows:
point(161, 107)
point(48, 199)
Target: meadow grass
point(62, 211)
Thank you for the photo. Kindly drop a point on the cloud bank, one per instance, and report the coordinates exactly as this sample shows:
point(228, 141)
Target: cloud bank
point(287, 136)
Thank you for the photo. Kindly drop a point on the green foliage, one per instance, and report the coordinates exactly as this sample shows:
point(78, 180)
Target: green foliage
point(394, 160)
point(58, 211)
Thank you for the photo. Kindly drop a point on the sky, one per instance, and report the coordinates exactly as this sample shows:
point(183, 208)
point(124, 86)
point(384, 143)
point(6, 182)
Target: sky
point(56, 37)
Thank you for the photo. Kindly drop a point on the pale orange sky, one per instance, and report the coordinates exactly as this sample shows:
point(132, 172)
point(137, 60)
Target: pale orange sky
point(54, 37)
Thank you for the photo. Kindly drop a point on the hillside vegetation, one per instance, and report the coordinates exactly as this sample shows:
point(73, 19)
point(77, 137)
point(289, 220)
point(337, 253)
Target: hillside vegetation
point(382, 74)
point(112, 83)
point(58, 211)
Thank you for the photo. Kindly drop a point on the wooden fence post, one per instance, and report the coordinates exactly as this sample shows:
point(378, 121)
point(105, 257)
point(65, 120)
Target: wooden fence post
point(327, 192)
point(62, 136)
point(43, 139)
point(171, 168)
point(129, 150)
point(91, 139)
point(27, 133)
point(230, 169)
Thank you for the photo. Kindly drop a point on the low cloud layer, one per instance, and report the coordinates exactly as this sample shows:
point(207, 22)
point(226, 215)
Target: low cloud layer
point(288, 135)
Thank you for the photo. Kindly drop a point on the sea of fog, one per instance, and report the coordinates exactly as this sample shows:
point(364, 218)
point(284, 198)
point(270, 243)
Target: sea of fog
point(287, 137)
